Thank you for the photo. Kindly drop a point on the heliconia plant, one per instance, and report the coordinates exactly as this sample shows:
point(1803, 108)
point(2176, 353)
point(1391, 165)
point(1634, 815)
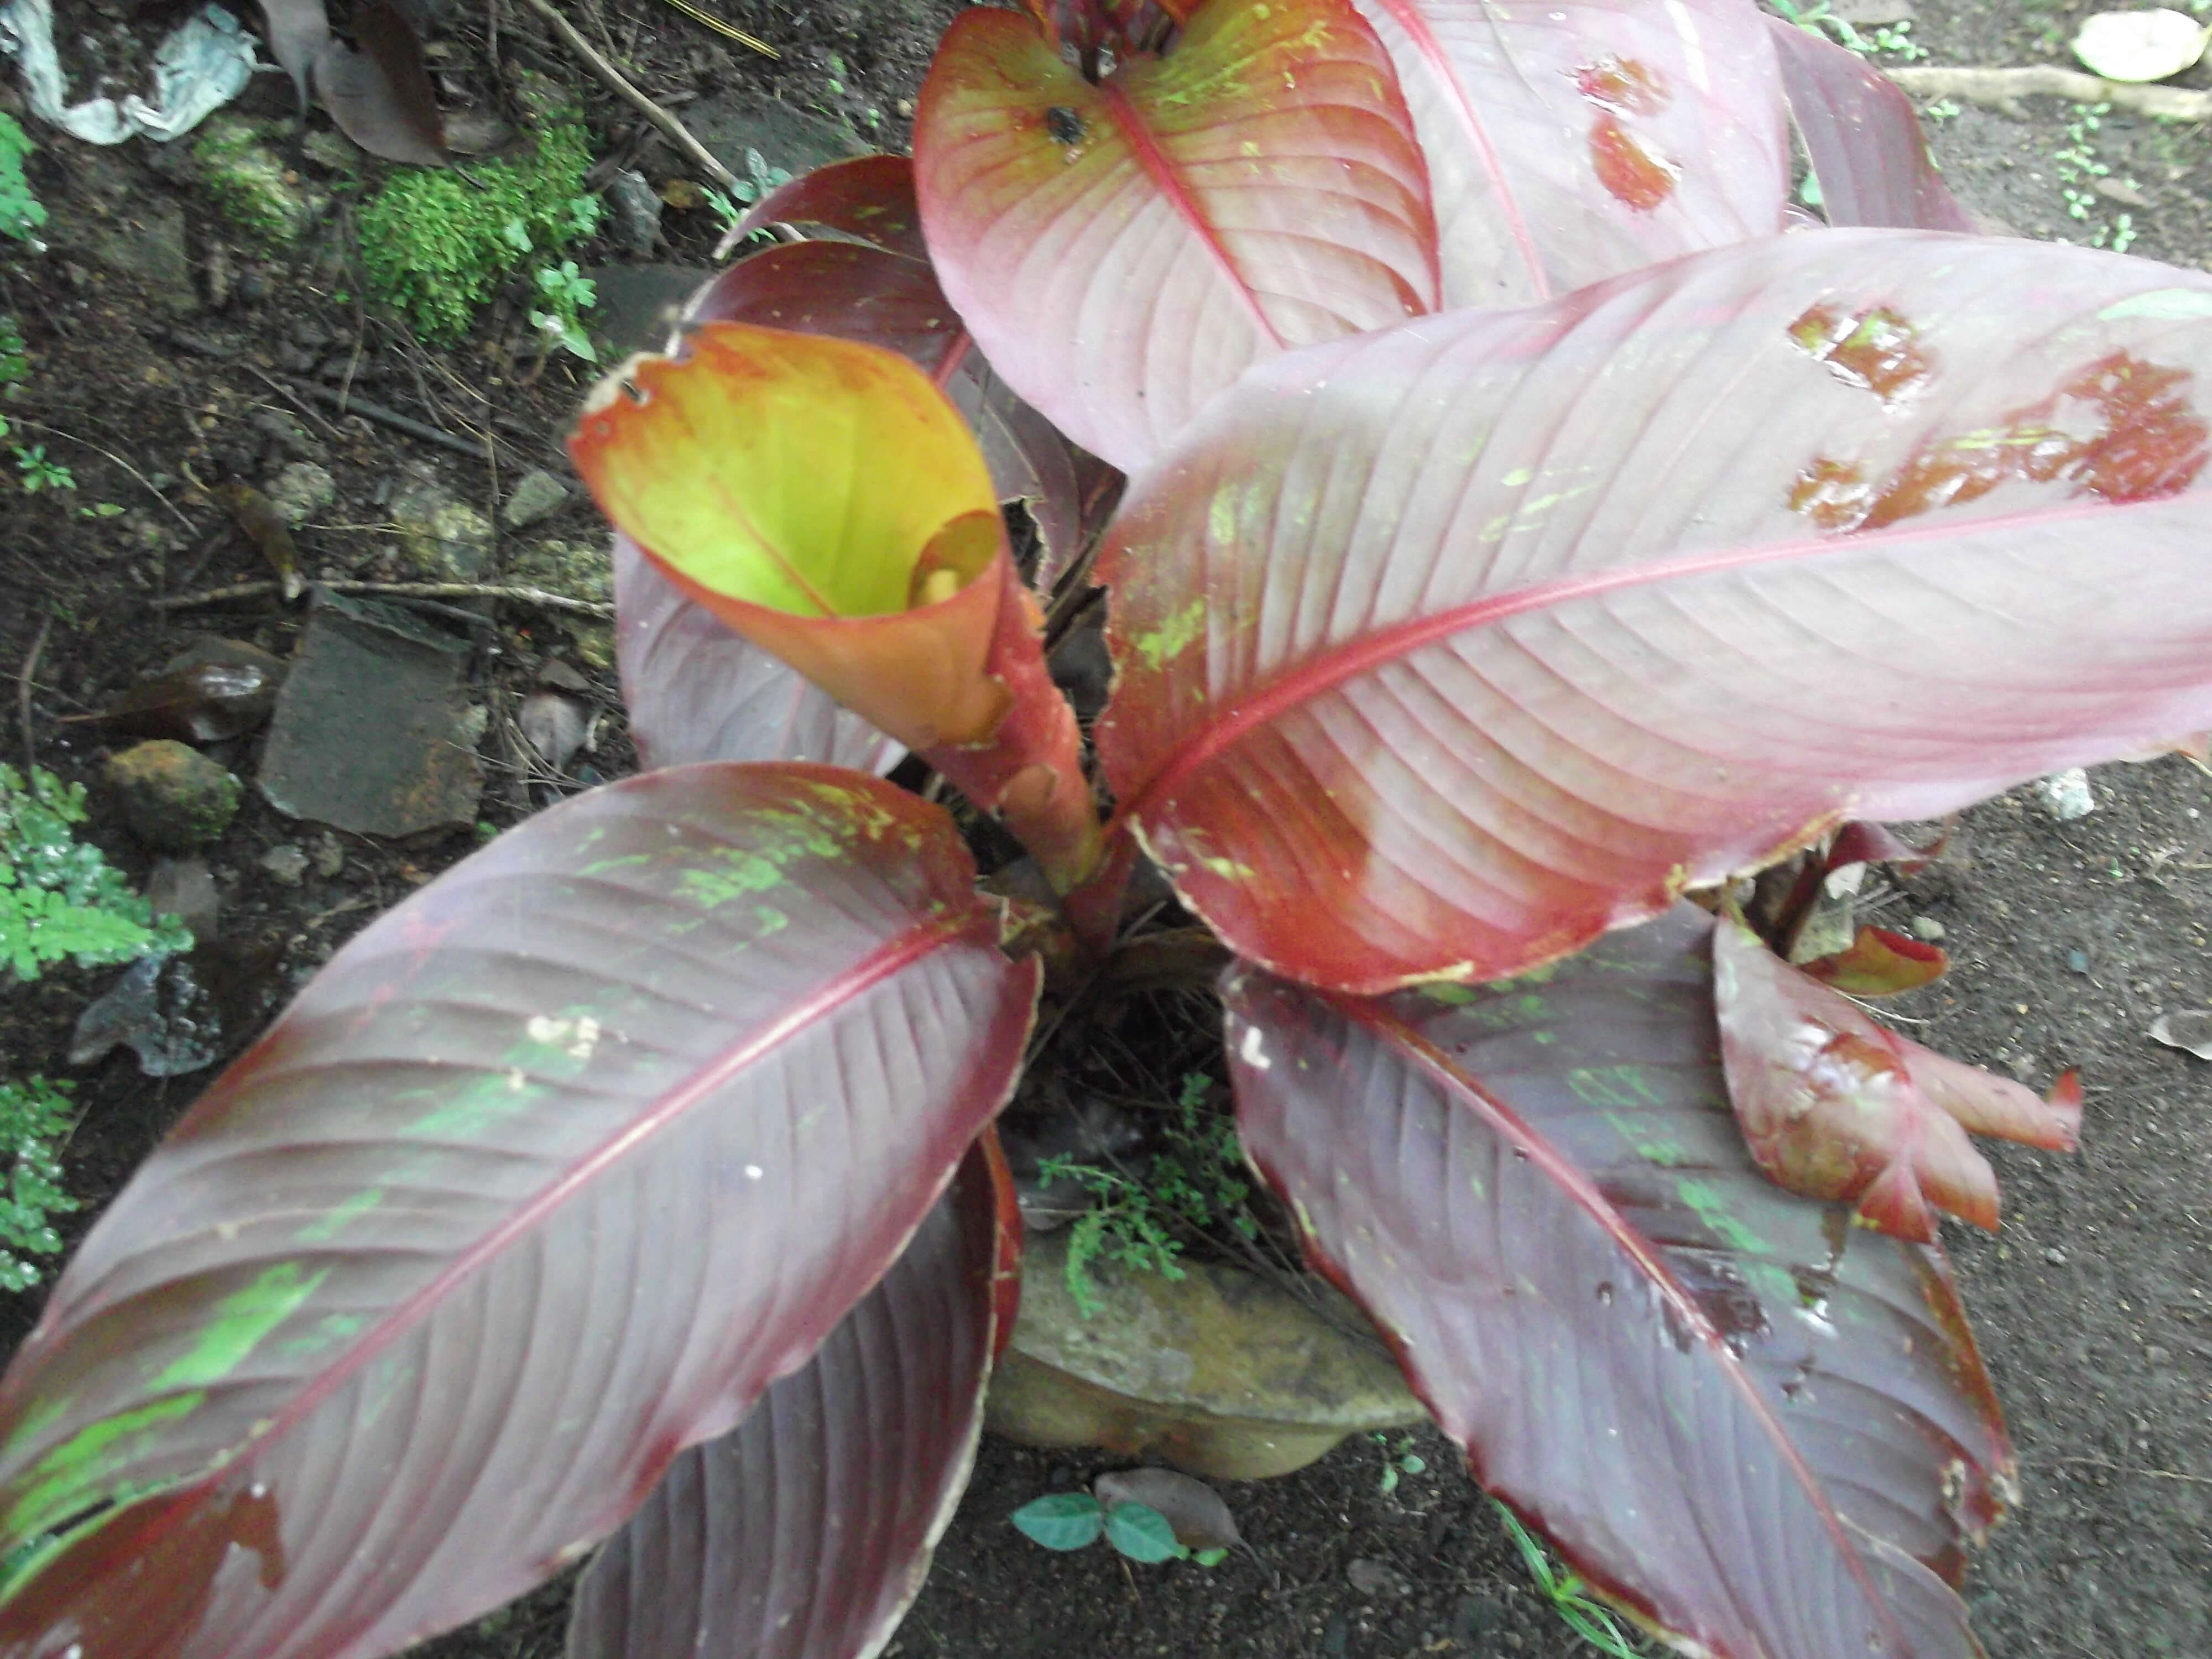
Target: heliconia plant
point(1529, 519)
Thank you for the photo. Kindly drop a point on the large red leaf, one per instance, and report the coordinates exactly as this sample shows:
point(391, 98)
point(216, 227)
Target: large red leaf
point(1863, 137)
point(1573, 140)
point(546, 1176)
point(1442, 650)
point(1836, 1106)
point(1766, 1429)
point(805, 1532)
point(695, 691)
point(1123, 250)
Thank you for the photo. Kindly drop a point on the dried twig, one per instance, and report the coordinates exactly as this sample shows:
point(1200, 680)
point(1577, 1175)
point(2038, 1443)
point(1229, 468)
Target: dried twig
point(23, 693)
point(2003, 88)
point(708, 19)
point(396, 421)
point(671, 128)
point(535, 596)
point(2148, 1475)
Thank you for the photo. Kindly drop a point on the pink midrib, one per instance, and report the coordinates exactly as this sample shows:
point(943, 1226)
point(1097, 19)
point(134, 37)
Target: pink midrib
point(1408, 17)
point(1166, 177)
point(1331, 668)
point(883, 963)
point(1584, 1194)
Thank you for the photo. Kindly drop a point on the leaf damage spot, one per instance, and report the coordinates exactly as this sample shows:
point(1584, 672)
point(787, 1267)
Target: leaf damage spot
point(1876, 350)
point(1631, 169)
point(2122, 430)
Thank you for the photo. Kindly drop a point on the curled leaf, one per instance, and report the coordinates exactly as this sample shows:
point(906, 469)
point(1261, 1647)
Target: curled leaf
point(1880, 963)
point(1836, 1107)
point(216, 689)
point(827, 503)
point(264, 526)
point(1200, 1519)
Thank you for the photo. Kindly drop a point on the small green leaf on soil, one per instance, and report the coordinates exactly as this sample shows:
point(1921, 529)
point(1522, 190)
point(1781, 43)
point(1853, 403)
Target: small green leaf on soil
point(1063, 1521)
point(1142, 1533)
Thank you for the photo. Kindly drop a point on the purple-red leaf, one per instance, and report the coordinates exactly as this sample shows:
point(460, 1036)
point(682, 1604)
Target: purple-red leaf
point(1837, 1107)
point(1444, 649)
point(546, 1176)
point(380, 94)
point(1862, 136)
point(869, 199)
point(1573, 140)
point(1767, 1430)
point(1123, 251)
point(805, 1532)
point(695, 691)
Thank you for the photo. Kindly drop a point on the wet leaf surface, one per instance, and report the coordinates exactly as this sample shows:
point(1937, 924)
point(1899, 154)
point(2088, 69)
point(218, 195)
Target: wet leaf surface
point(1727, 1406)
point(1835, 1106)
point(377, 90)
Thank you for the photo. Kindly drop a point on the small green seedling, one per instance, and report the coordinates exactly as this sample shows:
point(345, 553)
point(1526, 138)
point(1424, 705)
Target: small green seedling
point(1587, 1619)
point(34, 1120)
point(41, 473)
point(1399, 1461)
point(1076, 1519)
point(1816, 17)
point(567, 294)
point(763, 179)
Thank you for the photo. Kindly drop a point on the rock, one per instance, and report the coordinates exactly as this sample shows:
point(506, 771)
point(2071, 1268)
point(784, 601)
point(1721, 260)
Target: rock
point(301, 490)
point(287, 865)
point(121, 224)
point(1219, 1372)
point(247, 180)
point(639, 304)
point(633, 218)
point(446, 539)
point(2065, 796)
point(1374, 1578)
point(329, 855)
point(368, 734)
point(536, 497)
point(576, 570)
point(161, 1011)
point(293, 438)
point(1927, 928)
point(172, 796)
point(795, 140)
point(184, 889)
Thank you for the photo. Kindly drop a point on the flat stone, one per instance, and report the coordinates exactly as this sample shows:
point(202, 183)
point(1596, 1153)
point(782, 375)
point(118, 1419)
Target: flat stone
point(1219, 1372)
point(301, 490)
point(287, 865)
point(446, 539)
point(639, 304)
point(538, 496)
point(172, 797)
point(120, 222)
point(634, 213)
point(576, 570)
point(368, 733)
point(184, 889)
point(798, 141)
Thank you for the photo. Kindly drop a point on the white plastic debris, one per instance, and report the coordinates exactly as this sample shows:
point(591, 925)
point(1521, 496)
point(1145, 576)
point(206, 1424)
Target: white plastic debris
point(2140, 45)
point(204, 63)
point(2065, 795)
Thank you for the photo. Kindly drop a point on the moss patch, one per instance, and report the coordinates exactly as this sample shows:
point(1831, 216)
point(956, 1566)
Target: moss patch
point(249, 183)
point(436, 248)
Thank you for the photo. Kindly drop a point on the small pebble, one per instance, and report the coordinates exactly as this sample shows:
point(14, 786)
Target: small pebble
point(329, 855)
point(287, 865)
point(1927, 928)
point(1372, 1578)
point(2065, 796)
point(2055, 1257)
point(537, 495)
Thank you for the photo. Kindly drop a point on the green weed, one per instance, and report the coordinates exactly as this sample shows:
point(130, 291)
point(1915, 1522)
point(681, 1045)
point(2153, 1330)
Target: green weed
point(436, 248)
point(34, 1120)
point(61, 900)
point(1195, 1182)
point(1895, 39)
point(1591, 1620)
point(20, 212)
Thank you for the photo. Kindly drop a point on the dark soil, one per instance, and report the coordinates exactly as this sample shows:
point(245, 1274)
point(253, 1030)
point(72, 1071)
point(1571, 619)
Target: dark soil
point(2068, 939)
